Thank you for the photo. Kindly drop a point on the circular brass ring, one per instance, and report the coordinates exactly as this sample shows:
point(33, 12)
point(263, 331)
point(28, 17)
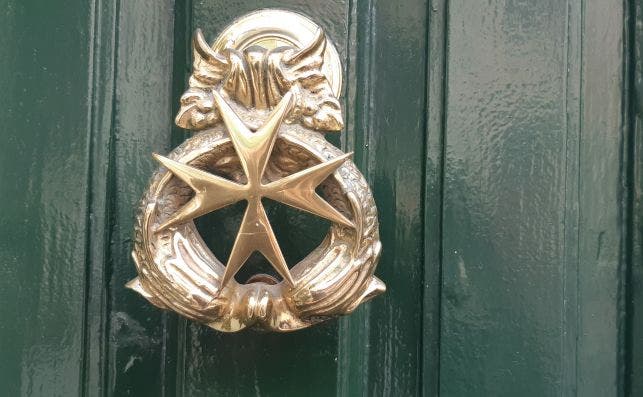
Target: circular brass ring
point(178, 271)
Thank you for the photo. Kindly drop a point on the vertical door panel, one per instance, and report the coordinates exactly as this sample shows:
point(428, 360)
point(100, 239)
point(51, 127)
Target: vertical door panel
point(45, 59)
point(602, 203)
point(505, 207)
point(531, 234)
point(389, 137)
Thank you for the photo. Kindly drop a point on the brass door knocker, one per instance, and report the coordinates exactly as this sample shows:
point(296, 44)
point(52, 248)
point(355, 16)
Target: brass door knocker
point(259, 99)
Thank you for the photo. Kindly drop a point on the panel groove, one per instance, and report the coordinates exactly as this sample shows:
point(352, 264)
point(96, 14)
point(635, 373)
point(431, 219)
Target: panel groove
point(99, 162)
point(570, 227)
point(437, 11)
point(92, 77)
point(633, 349)
point(627, 216)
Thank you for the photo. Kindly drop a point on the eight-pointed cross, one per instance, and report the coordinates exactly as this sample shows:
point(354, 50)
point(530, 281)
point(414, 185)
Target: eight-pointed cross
point(213, 192)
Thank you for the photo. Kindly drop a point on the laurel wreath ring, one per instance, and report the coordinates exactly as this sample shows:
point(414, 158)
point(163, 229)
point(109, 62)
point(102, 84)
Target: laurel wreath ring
point(177, 271)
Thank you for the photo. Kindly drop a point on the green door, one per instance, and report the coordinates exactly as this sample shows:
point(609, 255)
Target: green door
point(502, 140)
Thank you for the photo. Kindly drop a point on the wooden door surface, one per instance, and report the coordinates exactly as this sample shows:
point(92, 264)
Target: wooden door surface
point(502, 141)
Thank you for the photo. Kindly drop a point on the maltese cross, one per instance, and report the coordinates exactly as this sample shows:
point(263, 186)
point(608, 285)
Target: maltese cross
point(212, 192)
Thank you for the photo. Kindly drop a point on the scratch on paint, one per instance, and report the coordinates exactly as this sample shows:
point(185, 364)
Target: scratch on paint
point(131, 361)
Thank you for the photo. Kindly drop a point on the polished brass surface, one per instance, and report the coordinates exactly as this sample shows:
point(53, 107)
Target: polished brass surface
point(259, 110)
point(276, 28)
point(257, 77)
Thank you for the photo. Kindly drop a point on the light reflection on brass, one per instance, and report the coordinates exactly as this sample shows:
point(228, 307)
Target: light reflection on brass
point(259, 111)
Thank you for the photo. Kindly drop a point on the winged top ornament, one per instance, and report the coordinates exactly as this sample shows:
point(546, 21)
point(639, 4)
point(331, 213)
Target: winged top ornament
point(258, 78)
point(258, 112)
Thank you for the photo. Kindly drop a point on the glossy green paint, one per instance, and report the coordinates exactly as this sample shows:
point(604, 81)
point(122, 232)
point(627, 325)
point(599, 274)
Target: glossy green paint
point(532, 231)
point(44, 169)
point(634, 275)
point(502, 141)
